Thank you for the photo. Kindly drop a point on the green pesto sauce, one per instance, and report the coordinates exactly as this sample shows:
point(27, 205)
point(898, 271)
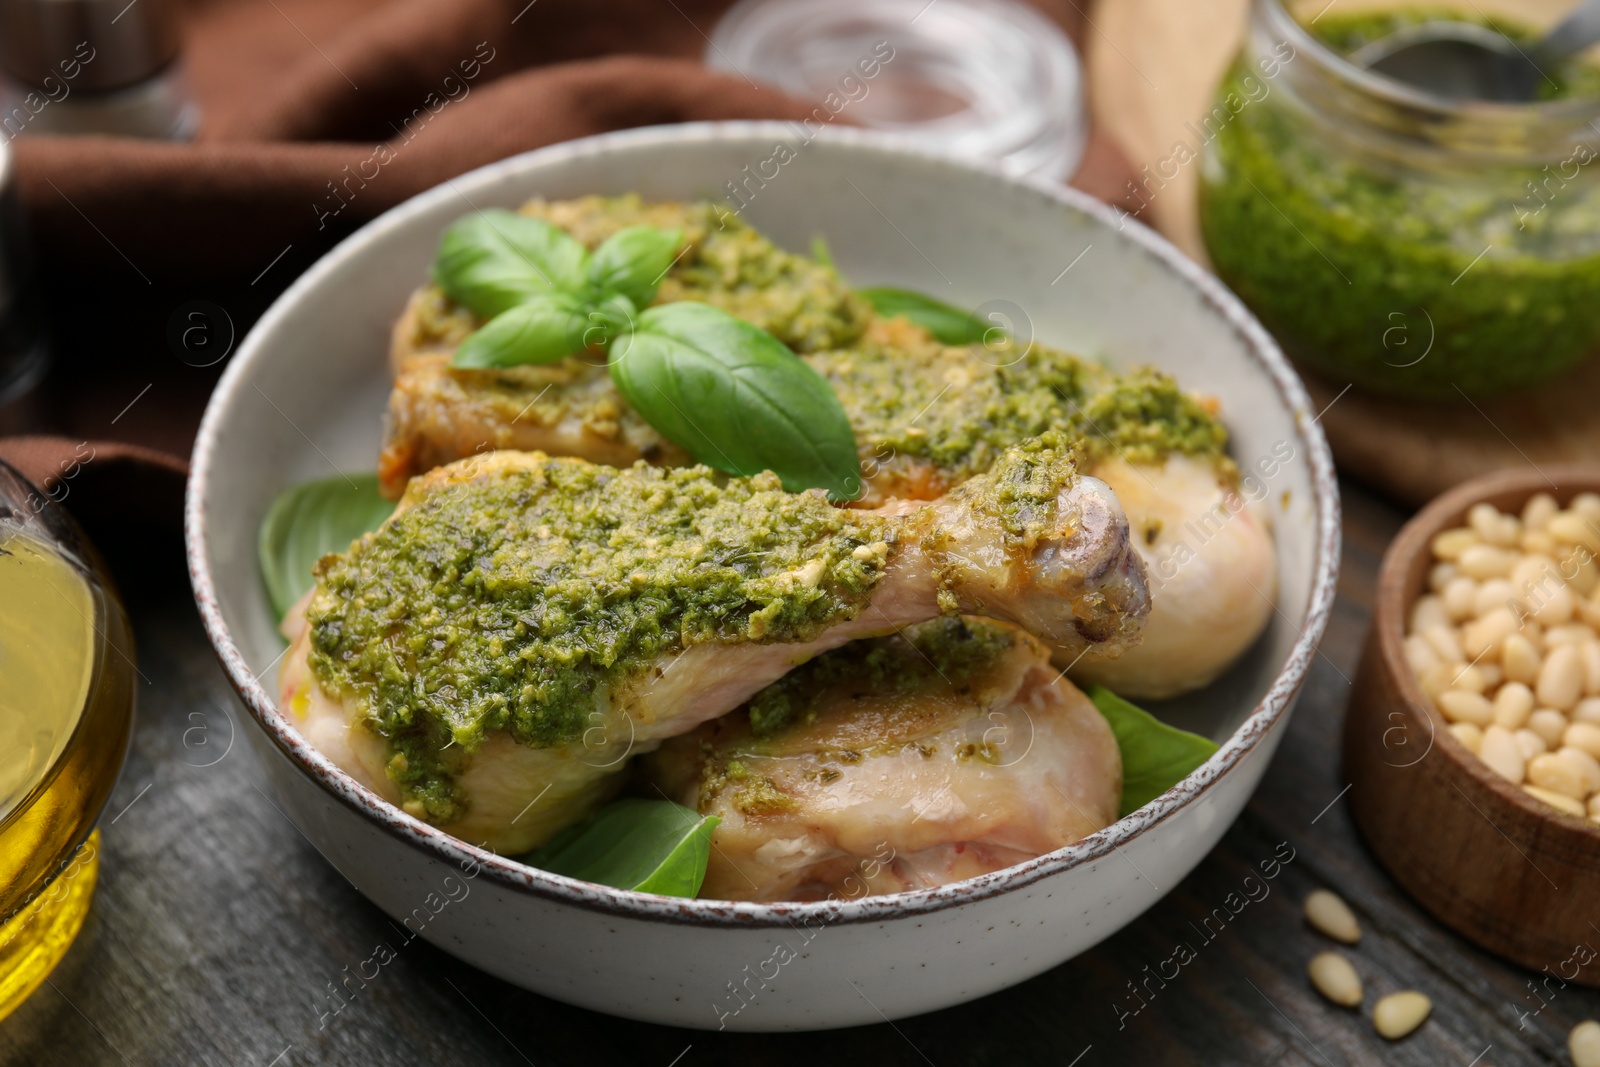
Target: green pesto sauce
point(961, 407)
point(945, 653)
point(504, 602)
point(1360, 267)
point(801, 302)
point(1345, 33)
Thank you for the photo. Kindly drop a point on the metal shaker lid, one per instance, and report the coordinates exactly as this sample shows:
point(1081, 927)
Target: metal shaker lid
point(112, 43)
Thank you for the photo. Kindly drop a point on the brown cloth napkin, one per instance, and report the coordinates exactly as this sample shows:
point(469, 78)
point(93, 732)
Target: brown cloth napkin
point(297, 97)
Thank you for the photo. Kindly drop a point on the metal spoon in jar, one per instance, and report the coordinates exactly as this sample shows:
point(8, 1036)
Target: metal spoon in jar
point(1461, 60)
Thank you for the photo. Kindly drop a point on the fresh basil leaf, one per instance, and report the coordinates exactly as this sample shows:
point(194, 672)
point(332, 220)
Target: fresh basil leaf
point(309, 521)
point(736, 398)
point(653, 846)
point(492, 260)
point(1155, 756)
point(633, 261)
point(545, 328)
point(950, 325)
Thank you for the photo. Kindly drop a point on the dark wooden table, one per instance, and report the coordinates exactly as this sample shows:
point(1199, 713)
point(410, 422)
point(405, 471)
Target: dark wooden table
point(217, 928)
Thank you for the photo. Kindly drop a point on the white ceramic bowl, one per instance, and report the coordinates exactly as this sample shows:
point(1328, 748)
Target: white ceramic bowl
point(306, 391)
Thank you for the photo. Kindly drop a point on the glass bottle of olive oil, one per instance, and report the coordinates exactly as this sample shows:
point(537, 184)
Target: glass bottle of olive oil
point(66, 704)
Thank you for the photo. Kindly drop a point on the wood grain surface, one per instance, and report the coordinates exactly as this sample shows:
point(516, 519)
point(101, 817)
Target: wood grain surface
point(217, 928)
point(1153, 66)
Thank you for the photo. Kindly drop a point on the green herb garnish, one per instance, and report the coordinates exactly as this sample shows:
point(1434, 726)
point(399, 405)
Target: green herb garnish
point(652, 846)
point(950, 325)
point(1155, 756)
point(729, 393)
point(308, 522)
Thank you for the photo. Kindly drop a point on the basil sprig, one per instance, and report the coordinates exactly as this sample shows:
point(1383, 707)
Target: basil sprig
point(736, 398)
point(652, 846)
point(949, 325)
point(729, 393)
point(309, 521)
point(1155, 756)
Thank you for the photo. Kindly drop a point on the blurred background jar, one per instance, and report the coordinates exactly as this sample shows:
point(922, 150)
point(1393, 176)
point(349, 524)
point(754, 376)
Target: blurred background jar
point(23, 355)
point(1407, 242)
point(94, 66)
point(66, 713)
point(992, 80)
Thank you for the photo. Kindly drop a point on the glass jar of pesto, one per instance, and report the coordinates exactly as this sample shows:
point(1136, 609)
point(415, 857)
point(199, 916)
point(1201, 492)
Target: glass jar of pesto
point(1410, 243)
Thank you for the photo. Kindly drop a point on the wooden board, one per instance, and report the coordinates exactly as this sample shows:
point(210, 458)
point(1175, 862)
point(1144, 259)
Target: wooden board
point(217, 928)
point(1153, 66)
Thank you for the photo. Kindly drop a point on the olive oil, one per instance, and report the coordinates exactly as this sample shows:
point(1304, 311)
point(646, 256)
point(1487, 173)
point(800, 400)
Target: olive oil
point(46, 662)
point(66, 701)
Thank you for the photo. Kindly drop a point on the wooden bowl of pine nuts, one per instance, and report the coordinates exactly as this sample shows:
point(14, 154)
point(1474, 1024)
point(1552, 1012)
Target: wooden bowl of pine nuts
point(1472, 739)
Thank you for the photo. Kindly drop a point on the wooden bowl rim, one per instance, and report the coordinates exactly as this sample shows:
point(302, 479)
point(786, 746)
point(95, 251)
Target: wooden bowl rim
point(1389, 613)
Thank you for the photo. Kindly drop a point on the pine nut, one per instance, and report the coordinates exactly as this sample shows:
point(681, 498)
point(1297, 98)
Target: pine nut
point(1531, 744)
point(1560, 678)
point(1532, 572)
point(1560, 801)
point(1397, 1014)
point(1459, 597)
point(1573, 633)
point(1512, 705)
point(1586, 576)
point(1502, 754)
point(1551, 772)
point(1482, 561)
point(1460, 705)
point(1436, 680)
point(1538, 510)
point(1328, 914)
point(1484, 518)
point(1585, 736)
point(1445, 642)
point(1538, 541)
point(1584, 1044)
point(1336, 979)
point(1557, 608)
point(1420, 655)
point(1573, 529)
point(1451, 543)
point(1470, 736)
point(1495, 593)
point(1440, 576)
point(1428, 611)
point(1519, 659)
point(1506, 642)
point(1589, 653)
point(1471, 678)
point(1587, 766)
point(1488, 631)
point(1549, 724)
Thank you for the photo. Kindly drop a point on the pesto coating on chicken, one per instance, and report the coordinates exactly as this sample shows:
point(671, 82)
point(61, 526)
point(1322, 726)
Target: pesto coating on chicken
point(725, 263)
point(505, 596)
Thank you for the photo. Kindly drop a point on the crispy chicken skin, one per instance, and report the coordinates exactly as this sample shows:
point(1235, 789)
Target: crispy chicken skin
point(948, 751)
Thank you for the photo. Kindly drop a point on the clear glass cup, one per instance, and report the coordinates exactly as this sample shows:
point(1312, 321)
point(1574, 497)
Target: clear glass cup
point(66, 714)
point(1410, 243)
point(988, 79)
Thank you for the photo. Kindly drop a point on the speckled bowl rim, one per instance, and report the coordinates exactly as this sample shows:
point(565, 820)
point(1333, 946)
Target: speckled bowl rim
point(1268, 358)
